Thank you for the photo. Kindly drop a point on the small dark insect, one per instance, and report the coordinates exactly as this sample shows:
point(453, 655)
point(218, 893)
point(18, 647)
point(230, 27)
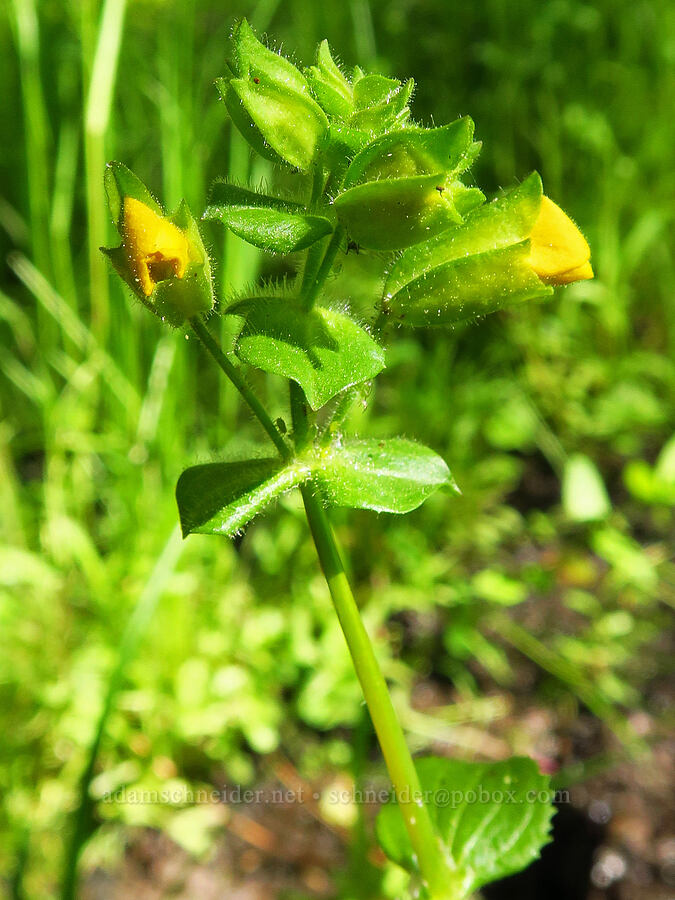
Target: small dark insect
point(256, 81)
point(440, 188)
point(352, 245)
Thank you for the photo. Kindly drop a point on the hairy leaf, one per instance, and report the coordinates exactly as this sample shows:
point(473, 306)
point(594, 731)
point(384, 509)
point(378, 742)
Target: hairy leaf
point(265, 222)
point(323, 350)
point(387, 476)
point(394, 475)
point(221, 497)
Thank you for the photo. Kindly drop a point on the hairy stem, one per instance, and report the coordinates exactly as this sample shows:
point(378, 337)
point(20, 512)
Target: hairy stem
point(239, 382)
point(311, 291)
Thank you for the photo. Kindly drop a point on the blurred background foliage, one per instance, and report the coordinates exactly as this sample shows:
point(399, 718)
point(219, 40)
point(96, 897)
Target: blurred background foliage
point(546, 584)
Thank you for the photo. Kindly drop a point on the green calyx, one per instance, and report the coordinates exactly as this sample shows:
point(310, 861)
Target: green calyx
point(270, 102)
point(402, 188)
point(472, 269)
point(415, 151)
point(394, 214)
point(162, 259)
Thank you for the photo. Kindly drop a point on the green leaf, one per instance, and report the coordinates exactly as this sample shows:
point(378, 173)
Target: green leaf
point(388, 476)
point(323, 350)
point(221, 497)
point(493, 818)
point(265, 222)
point(653, 485)
point(394, 475)
point(665, 464)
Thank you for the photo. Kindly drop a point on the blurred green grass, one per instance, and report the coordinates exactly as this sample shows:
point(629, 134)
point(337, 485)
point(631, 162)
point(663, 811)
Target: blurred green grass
point(101, 409)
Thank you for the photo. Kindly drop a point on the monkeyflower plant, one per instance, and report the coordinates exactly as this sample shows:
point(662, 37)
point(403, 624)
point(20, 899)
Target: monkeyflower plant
point(365, 173)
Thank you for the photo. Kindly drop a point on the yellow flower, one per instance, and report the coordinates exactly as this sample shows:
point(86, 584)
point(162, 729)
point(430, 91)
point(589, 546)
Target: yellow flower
point(559, 253)
point(155, 248)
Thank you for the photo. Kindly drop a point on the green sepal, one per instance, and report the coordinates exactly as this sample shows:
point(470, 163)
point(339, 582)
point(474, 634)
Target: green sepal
point(244, 124)
point(394, 475)
point(468, 287)
point(292, 123)
point(323, 350)
point(340, 145)
point(222, 497)
point(120, 264)
point(252, 59)
point(274, 225)
point(275, 99)
point(492, 818)
point(394, 214)
point(465, 198)
point(414, 151)
point(329, 86)
point(120, 182)
point(380, 104)
point(177, 299)
point(473, 269)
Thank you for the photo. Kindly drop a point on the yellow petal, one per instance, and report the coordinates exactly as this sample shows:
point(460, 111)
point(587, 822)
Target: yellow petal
point(581, 273)
point(559, 253)
point(156, 249)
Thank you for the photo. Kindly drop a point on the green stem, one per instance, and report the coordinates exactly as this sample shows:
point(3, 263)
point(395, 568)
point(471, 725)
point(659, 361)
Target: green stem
point(311, 270)
point(301, 430)
point(311, 291)
point(239, 382)
point(380, 324)
point(432, 864)
point(314, 255)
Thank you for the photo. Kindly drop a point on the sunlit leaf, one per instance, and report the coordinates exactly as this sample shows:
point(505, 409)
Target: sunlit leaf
point(323, 350)
point(394, 475)
point(266, 222)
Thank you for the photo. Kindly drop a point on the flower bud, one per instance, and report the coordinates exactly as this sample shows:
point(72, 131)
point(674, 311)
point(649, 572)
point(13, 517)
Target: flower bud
point(380, 104)
point(402, 188)
point(270, 102)
point(507, 251)
point(330, 87)
point(161, 258)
